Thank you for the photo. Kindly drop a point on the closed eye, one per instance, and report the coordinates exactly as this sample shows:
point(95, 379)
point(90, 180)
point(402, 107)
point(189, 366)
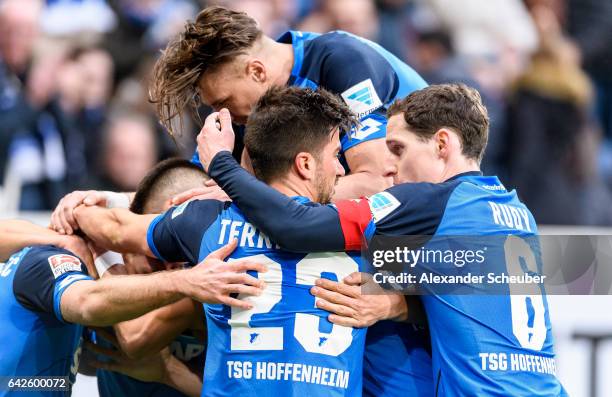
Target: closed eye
point(396, 149)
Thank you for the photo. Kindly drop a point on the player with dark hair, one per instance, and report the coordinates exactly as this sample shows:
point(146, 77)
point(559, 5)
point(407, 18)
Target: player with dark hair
point(223, 60)
point(284, 345)
point(436, 137)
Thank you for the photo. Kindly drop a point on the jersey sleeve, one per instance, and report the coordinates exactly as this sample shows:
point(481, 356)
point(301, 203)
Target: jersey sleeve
point(293, 226)
point(371, 84)
point(406, 209)
point(175, 235)
point(43, 276)
point(409, 209)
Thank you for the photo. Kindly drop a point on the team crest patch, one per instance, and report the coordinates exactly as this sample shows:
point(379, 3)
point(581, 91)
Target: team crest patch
point(362, 98)
point(382, 204)
point(64, 263)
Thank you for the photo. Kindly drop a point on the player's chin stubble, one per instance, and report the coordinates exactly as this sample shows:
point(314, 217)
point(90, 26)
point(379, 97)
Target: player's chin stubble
point(326, 190)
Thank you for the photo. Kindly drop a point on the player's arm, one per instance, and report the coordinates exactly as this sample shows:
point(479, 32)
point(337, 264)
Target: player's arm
point(62, 219)
point(114, 299)
point(18, 234)
point(119, 298)
point(178, 376)
point(116, 229)
point(54, 281)
point(161, 367)
point(155, 330)
point(293, 226)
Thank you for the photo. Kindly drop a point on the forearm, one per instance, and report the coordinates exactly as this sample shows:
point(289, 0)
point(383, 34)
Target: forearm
point(18, 234)
point(179, 377)
point(360, 184)
point(120, 298)
point(304, 228)
point(101, 225)
point(110, 228)
point(155, 330)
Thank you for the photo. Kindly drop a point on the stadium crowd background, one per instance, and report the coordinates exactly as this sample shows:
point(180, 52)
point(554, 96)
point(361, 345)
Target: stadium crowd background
point(74, 112)
point(73, 92)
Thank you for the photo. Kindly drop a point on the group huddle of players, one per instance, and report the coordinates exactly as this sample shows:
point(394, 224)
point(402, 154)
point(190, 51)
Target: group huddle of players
point(329, 118)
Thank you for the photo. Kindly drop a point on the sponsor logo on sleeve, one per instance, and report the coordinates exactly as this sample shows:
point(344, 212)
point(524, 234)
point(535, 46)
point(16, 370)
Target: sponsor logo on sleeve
point(382, 204)
point(362, 98)
point(63, 263)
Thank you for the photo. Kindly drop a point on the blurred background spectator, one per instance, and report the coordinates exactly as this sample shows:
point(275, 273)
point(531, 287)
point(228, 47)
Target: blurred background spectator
point(552, 130)
point(129, 151)
point(73, 87)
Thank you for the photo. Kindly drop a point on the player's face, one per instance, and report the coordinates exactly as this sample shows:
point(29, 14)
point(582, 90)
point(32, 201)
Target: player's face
point(234, 86)
point(415, 159)
point(329, 169)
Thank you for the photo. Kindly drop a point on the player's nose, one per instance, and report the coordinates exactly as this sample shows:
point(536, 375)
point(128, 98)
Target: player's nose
point(389, 167)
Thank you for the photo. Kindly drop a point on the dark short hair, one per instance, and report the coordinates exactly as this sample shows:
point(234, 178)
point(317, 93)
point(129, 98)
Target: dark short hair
point(166, 179)
point(217, 36)
point(454, 106)
point(289, 120)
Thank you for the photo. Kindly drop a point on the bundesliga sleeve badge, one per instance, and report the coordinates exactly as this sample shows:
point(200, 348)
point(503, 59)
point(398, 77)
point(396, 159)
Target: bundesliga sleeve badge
point(63, 263)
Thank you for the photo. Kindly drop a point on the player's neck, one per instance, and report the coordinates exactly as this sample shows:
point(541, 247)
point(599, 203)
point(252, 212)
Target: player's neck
point(279, 59)
point(293, 188)
point(460, 166)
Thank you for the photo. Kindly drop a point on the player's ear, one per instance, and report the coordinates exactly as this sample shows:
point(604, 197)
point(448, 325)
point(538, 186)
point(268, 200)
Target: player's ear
point(305, 165)
point(443, 142)
point(257, 70)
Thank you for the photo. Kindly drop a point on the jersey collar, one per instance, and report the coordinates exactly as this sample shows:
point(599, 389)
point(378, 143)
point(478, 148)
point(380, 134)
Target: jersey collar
point(301, 199)
point(487, 182)
point(464, 174)
point(296, 39)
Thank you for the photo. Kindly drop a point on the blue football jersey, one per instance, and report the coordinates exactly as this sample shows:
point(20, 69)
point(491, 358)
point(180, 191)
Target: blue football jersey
point(367, 77)
point(499, 344)
point(284, 345)
point(397, 361)
point(494, 345)
point(36, 341)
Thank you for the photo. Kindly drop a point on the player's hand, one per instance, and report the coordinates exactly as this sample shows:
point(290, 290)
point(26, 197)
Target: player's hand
point(62, 219)
point(349, 307)
point(213, 280)
point(210, 191)
point(151, 368)
point(215, 136)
